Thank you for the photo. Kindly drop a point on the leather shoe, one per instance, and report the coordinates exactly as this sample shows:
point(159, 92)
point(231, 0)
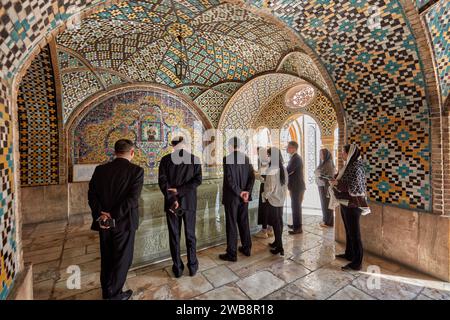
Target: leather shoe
point(226, 257)
point(277, 251)
point(296, 231)
point(123, 295)
point(291, 226)
point(349, 267)
point(244, 252)
point(193, 271)
point(177, 272)
point(272, 245)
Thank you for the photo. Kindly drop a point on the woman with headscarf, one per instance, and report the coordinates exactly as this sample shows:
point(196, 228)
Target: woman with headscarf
point(266, 230)
point(274, 195)
point(349, 191)
point(324, 173)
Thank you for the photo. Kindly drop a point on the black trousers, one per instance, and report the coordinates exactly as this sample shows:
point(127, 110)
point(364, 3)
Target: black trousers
point(116, 249)
point(353, 245)
point(263, 216)
point(328, 215)
point(174, 223)
point(236, 217)
point(276, 219)
point(296, 205)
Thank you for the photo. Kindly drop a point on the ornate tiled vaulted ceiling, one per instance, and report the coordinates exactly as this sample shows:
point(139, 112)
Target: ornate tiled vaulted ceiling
point(139, 40)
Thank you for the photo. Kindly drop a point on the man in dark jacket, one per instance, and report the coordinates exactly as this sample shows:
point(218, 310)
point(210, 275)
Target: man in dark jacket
point(114, 192)
point(180, 173)
point(296, 186)
point(238, 180)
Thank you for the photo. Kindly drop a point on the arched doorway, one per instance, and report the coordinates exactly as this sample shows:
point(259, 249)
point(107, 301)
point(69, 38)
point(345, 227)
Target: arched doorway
point(304, 130)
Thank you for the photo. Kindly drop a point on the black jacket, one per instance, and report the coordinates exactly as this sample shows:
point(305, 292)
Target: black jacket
point(238, 176)
point(115, 187)
point(185, 177)
point(296, 181)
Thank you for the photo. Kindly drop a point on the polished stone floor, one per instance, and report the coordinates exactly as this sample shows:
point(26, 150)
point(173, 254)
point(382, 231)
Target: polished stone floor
point(308, 270)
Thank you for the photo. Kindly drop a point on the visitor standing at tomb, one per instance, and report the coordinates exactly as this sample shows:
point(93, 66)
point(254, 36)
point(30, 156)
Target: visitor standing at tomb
point(238, 180)
point(324, 173)
point(180, 174)
point(266, 229)
point(296, 186)
point(349, 191)
point(274, 196)
point(113, 195)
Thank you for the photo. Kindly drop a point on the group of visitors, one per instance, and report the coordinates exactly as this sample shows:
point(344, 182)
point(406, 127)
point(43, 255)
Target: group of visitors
point(115, 188)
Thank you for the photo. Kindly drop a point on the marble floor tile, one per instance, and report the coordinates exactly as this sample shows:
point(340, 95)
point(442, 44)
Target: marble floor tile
point(258, 265)
point(316, 257)
point(260, 284)
point(37, 258)
point(422, 297)
point(94, 294)
point(350, 293)
point(154, 293)
point(205, 263)
point(64, 288)
point(288, 270)
point(46, 271)
point(220, 275)
point(436, 294)
point(308, 270)
point(43, 290)
point(73, 252)
point(320, 284)
point(226, 292)
point(283, 294)
point(391, 288)
point(189, 287)
point(143, 282)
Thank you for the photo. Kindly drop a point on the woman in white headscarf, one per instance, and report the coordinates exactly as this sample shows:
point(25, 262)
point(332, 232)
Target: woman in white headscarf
point(349, 191)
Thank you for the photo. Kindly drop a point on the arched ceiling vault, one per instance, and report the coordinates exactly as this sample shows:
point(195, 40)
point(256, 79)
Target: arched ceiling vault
point(221, 41)
point(274, 113)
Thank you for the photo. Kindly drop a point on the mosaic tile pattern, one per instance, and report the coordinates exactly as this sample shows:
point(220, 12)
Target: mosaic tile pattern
point(149, 118)
point(110, 79)
point(66, 61)
point(438, 21)
point(212, 102)
point(8, 247)
point(275, 113)
point(38, 124)
point(245, 104)
point(191, 91)
point(301, 64)
point(378, 76)
point(222, 41)
point(76, 87)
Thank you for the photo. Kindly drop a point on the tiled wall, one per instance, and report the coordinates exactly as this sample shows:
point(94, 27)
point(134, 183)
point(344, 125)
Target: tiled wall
point(38, 124)
point(8, 248)
point(149, 118)
point(372, 56)
point(438, 21)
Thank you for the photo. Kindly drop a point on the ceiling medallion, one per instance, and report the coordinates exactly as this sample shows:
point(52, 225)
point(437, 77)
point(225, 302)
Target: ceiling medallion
point(300, 96)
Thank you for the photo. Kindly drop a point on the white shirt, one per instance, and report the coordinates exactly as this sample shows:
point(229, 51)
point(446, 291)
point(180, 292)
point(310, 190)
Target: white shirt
point(274, 192)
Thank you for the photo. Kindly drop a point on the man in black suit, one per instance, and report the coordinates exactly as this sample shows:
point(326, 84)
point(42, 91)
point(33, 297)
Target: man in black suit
point(296, 186)
point(180, 173)
point(114, 192)
point(238, 180)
